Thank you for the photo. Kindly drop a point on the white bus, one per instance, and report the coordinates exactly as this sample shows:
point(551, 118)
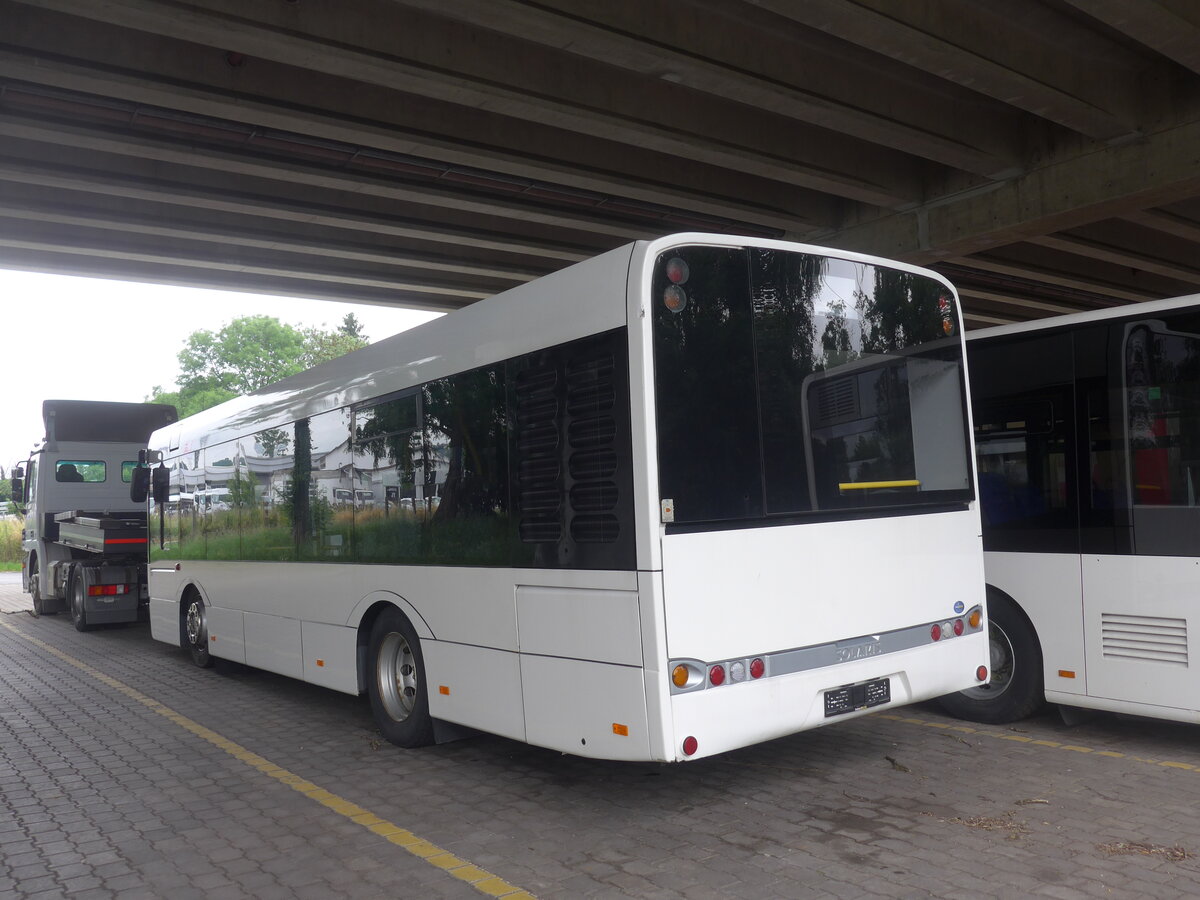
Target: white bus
point(691, 494)
point(1087, 429)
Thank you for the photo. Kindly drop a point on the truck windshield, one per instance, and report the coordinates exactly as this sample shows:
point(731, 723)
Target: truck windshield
point(791, 384)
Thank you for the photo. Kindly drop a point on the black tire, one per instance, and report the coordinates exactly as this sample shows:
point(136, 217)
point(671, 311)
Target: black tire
point(78, 594)
point(35, 592)
point(193, 630)
point(396, 681)
point(1017, 689)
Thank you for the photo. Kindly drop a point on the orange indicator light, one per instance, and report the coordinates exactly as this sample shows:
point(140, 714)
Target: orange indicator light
point(975, 618)
point(320, 663)
point(443, 689)
point(622, 730)
point(1065, 673)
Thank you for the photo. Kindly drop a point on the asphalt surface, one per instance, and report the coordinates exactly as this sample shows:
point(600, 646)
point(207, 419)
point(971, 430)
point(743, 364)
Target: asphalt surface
point(126, 772)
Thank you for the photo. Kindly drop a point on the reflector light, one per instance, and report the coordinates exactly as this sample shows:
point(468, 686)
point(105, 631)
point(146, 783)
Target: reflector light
point(976, 618)
point(674, 298)
point(981, 673)
point(716, 675)
point(679, 676)
point(936, 632)
point(690, 746)
point(757, 668)
point(737, 671)
point(677, 270)
point(107, 590)
point(959, 628)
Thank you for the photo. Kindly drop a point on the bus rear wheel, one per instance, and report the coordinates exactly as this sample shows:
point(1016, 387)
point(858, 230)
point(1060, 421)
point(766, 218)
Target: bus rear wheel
point(1016, 690)
point(396, 681)
point(195, 631)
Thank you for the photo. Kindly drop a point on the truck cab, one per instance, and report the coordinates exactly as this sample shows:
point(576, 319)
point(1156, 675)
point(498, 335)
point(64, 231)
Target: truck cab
point(84, 540)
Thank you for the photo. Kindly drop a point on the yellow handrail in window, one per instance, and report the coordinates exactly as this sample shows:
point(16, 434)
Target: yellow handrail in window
point(870, 485)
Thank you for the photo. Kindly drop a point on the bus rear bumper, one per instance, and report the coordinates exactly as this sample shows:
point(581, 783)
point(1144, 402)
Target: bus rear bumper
point(737, 715)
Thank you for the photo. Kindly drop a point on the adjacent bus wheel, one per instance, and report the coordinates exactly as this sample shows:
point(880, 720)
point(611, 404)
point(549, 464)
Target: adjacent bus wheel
point(396, 682)
point(78, 595)
point(195, 631)
point(1016, 690)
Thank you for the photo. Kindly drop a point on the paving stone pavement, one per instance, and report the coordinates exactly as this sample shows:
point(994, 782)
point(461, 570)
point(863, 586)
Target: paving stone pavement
point(126, 772)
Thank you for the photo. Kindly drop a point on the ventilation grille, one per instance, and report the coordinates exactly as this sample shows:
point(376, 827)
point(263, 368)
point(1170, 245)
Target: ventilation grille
point(539, 471)
point(591, 394)
point(1144, 638)
point(836, 400)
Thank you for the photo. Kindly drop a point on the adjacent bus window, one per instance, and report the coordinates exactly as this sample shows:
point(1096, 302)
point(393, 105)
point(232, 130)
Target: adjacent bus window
point(391, 455)
point(90, 471)
point(1161, 394)
point(127, 468)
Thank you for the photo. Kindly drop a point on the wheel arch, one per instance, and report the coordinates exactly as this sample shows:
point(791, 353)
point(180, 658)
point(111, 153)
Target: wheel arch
point(375, 604)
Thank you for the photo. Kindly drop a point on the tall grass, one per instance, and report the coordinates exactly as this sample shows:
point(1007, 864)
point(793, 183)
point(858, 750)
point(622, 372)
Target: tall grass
point(10, 543)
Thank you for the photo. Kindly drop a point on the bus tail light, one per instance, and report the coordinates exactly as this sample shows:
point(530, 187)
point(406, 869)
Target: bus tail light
point(975, 619)
point(981, 674)
point(935, 631)
point(716, 675)
point(757, 668)
point(958, 627)
point(690, 746)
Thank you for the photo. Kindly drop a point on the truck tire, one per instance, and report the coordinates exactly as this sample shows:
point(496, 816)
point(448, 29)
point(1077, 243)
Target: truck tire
point(396, 681)
point(78, 595)
point(1017, 689)
point(35, 592)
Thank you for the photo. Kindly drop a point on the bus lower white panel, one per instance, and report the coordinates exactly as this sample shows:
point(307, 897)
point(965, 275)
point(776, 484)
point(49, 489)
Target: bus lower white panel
point(330, 656)
point(738, 715)
point(164, 620)
point(1048, 588)
point(226, 634)
point(273, 643)
point(1139, 615)
point(585, 708)
point(604, 626)
point(475, 686)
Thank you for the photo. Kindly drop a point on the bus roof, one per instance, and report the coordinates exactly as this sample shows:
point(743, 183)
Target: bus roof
point(1148, 308)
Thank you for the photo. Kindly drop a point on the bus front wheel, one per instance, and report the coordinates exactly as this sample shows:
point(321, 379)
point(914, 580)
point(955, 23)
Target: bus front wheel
point(396, 681)
point(1016, 690)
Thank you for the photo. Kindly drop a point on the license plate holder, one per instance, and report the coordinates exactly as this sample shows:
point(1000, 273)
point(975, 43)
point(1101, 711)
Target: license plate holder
point(852, 697)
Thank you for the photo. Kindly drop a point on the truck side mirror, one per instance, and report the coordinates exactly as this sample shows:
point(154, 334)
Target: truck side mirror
point(18, 489)
point(139, 485)
point(161, 480)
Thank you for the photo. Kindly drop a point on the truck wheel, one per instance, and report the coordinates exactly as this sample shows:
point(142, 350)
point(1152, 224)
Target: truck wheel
point(396, 681)
point(1016, 690)
point(195, 631)
point(35, 592)
point(78, 593)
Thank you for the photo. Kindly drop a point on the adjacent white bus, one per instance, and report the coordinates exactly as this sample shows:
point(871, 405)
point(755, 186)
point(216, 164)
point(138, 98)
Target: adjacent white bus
point(1087, 430)
point(689, 495)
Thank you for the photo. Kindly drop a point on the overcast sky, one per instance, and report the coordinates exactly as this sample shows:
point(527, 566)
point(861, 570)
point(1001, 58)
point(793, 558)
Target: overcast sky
point(89, 339)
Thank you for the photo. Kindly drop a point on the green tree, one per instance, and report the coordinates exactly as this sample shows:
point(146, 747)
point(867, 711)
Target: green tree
point(249, 353)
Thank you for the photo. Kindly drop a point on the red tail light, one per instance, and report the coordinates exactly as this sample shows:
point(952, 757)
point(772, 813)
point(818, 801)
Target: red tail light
point(716, 675)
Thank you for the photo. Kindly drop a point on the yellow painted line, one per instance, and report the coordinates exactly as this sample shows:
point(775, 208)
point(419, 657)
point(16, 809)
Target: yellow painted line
point(1055, 745)
point(480, 879)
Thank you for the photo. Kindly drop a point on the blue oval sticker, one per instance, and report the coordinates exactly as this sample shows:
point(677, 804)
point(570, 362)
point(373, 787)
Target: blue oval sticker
point(959, 607)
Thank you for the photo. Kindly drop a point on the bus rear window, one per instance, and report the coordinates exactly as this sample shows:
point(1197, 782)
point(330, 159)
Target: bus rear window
point(79, 470)
point(792, 383)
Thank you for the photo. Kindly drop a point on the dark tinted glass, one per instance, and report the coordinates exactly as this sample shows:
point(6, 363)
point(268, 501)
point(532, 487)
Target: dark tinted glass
point(1025, 440)
point(710, 461)
point(1161, 393)
point(790, 383)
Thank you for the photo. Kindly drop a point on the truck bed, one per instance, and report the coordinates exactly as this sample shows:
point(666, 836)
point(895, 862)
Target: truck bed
point(109, 534)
